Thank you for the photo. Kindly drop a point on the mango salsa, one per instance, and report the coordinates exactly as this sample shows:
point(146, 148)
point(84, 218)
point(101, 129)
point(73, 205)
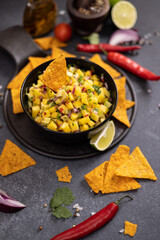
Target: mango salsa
point(83, 103)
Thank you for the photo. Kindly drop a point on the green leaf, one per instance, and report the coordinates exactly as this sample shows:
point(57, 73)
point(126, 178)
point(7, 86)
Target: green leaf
point(62, 196)
point(93, 38)
point(62, 212)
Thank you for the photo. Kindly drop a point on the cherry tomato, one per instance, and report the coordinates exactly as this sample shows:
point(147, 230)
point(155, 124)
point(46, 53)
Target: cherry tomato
point(63, 32)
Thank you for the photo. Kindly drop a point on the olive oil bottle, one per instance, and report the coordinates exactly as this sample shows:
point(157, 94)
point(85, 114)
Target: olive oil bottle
point(39, 17)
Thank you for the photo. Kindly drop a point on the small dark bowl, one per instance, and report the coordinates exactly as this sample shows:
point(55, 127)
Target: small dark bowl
point(62, 136)
point(87, 24)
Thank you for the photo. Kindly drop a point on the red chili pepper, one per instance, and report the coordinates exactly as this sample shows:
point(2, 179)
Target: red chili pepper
point(92, 48)
point(91, 224)
point(131, 66)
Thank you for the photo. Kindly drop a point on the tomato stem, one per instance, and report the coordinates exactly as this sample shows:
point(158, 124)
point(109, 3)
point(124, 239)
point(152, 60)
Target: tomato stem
point(118, 201)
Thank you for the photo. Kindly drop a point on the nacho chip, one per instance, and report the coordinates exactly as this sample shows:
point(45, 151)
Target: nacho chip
point(120, 112)
point(19, 78)
point(113, 183)
point(129, 103)
point(16, 102)
point(57, 52)
point(13, 159)
point(55, 75)
point(136, 166)
point(64, 174)
point(130, 228)
point(36, 61)
point(95, 178)
point(97, 59)
point(48, 42)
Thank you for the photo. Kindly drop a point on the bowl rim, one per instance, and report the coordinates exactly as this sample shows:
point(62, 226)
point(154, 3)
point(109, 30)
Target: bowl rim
point(70, 133)
point(75, 12)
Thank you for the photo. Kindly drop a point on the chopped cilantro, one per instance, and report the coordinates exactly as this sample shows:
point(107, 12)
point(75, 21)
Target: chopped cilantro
point(62, 196)
point(83, 107)
point(53, 104)
point(96, 109)
point(80, 79)
point(58, 116)
point(89, 90)
point(96, 88)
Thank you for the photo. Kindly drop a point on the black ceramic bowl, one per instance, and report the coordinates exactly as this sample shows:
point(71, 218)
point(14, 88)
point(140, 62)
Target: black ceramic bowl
point(62, 136)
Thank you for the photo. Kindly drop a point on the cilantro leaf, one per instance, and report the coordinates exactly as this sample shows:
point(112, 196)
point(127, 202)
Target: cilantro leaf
point(97, 89)
point(62, 196)
point(62, 212)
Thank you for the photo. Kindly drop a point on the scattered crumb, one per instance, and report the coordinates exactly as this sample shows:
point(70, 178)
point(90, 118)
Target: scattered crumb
point(121, 230)
point(92, 213)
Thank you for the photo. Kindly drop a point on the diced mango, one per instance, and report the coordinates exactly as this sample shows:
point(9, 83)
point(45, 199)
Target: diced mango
point(77, 104)
point(74, 126)
point(103, 108)
point(65, 127)
point(91, 123)
point(55, 115)
point(101, 98)
point(74, 116)
point(63, 109)
point(85, 113)
point(77, 91)
point(43, 106)
point(35, 111)
point(46, 114)
point(88, 86)
point(36, 101)
point(79, 71)
point(52, 109)
point(46, 121)
point(52, 125)
point(50, 93)
point(38, 119)
point(45, 101)
point(84, 98)
point(93, 100)
point(84, 127)
point(69, 105)
point(107, 104)
point(94, 116)
point(70, 96)
point(83, 120)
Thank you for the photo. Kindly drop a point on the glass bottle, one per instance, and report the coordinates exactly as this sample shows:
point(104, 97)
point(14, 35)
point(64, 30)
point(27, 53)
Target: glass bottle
point(39, 17)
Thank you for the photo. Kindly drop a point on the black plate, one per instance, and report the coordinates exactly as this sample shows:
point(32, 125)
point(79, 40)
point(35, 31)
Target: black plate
point(24, 130)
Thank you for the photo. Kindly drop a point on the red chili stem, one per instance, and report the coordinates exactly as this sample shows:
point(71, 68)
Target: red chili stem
point(93, 48)
point(91, 224)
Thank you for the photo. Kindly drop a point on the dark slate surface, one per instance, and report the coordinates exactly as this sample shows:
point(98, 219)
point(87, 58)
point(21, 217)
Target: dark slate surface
point(34, 186)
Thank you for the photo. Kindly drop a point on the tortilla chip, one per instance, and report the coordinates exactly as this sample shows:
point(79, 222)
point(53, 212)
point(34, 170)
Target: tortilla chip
point(129, 103)
point(64, 174)
point(16, 102)
point(55, 75)
point(120, 112)
point(19, 78)
point(130, 228)
point(113, 183)
point(13, 159)
point(95, 178)
point(136, 166)
point(47, 42)
point(57, 52)
point(36, 61)
point(97, 59)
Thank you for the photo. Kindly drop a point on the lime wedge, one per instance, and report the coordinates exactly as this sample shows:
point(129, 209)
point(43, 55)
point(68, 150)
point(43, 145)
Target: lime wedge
point(124, 15)
point(102, 140)
point(113, 2)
